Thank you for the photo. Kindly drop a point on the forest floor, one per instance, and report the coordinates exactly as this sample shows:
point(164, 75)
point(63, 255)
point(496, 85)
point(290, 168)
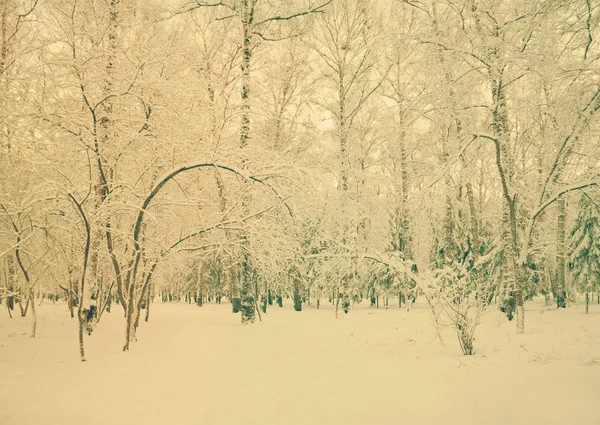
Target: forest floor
point(196, 365)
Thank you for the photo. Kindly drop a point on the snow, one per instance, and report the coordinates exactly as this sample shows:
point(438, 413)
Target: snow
point(196, 365)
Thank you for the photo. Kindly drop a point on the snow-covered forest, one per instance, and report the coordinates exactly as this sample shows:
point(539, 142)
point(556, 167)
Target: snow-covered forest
point(423, 174)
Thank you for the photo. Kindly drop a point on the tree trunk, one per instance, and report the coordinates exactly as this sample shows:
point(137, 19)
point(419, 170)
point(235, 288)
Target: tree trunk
point(3, 35)
point(248, 302)
point(129, 316)
point(512, 299)
point(33, 313)
point(247, 21)
point(236, 304)
point(10, 300)
point(474, 220)
point(71, 305)
point(296, 286)
point(264, 303)
point(30, 296)
point(561, 292)
point(248, 308)
point(346, 303)
point(149, 299)
point(509, 269)
point(23, 310)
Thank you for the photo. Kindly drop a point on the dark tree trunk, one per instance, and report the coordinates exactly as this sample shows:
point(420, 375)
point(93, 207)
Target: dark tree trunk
point(33, 313)
point(10, 300)
point(248, 307)
point(148, 301)
point(561, 293)
point(236, 304)
point(372, 295)
point(346, 303)
point(297, 302)
point(297, 297)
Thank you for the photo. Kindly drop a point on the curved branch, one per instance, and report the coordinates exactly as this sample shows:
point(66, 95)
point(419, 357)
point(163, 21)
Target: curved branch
point(157, 189)
point(542, 208)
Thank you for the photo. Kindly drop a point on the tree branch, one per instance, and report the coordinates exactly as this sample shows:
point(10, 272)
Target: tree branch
point(318, 9)
point(589, 29)
point(456, 50)
point(217, 226)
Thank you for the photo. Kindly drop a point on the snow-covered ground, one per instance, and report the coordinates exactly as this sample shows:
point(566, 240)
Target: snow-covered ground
point(196, 365)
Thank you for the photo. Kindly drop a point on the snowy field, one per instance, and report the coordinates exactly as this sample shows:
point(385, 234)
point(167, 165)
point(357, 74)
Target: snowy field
point(196, 365)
